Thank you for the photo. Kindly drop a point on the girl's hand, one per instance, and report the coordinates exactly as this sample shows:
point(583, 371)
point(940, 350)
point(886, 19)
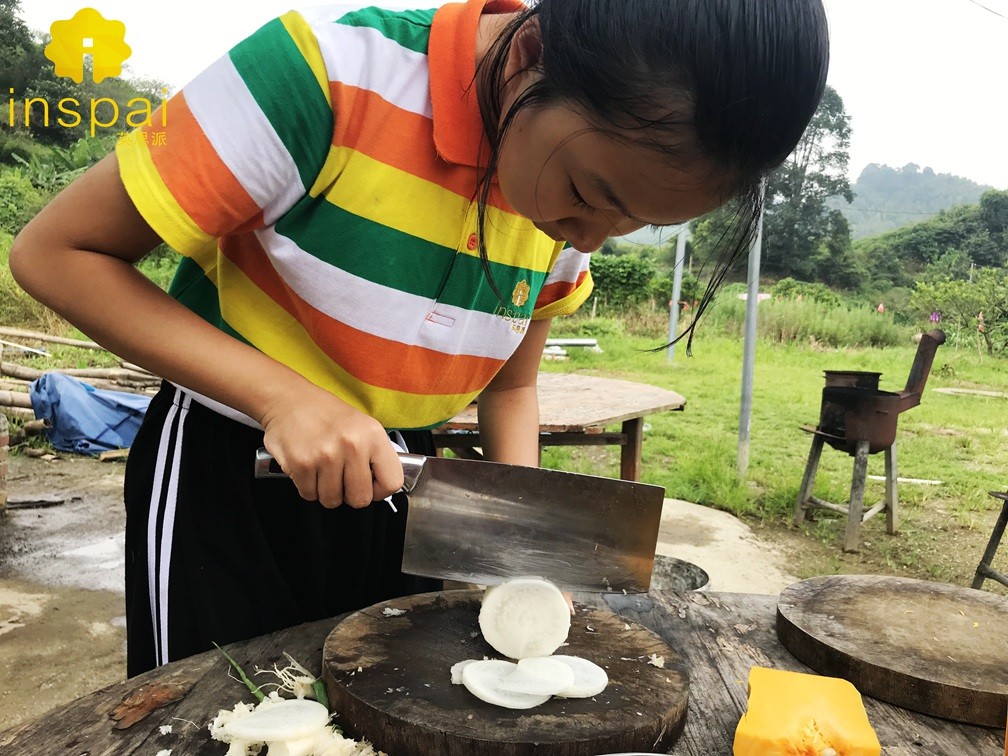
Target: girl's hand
point(333, 452)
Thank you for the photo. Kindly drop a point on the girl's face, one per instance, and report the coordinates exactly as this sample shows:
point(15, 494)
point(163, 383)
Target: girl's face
point(581, 185)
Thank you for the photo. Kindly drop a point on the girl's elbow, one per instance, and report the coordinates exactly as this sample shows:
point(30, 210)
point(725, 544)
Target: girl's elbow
point(24, 263)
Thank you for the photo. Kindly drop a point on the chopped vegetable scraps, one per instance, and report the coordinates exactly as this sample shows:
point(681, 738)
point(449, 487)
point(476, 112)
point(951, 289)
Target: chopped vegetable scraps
point(285, 726)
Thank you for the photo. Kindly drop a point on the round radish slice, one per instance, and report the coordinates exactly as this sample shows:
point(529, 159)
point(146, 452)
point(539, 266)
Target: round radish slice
point(482, 679)
point(456, 670)
point(589, 678)
point(284, 720)
point(539, 675)
point(524, 617)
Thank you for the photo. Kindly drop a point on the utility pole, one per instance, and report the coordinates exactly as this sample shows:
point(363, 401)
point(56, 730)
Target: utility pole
point(680, 256)
point(749, 350)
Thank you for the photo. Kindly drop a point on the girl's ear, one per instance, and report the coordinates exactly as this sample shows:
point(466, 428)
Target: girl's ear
point(526, 47)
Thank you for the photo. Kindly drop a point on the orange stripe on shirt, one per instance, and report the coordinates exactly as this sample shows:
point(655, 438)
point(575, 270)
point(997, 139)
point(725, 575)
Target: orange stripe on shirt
point(554, 292)
point(202, 184)
point(411, 369)
point(398, 138)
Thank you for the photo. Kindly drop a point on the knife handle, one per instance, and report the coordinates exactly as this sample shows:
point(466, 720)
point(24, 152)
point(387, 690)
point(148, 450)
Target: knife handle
point(267, 467)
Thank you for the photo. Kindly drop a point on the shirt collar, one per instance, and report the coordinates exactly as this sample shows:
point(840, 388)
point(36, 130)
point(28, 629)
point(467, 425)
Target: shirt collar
point(458, 127)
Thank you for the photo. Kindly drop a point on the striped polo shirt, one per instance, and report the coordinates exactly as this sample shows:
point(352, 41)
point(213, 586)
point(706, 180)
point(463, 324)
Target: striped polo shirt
point(319, 180)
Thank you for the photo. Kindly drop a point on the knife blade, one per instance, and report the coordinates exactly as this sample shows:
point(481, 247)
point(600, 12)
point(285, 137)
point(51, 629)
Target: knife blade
point(486, 522)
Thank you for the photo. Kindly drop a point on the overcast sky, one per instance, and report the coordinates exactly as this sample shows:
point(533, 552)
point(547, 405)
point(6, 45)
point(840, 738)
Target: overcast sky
point(924, 81)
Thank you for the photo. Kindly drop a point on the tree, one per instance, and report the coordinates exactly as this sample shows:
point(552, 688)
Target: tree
point(961, 303)
point(800, 231)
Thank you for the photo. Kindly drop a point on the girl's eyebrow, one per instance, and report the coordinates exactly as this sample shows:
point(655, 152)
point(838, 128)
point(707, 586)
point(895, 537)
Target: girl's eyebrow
point(610, 196)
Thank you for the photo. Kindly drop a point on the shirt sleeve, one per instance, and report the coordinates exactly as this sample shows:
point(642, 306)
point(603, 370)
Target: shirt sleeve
point(567, 286)
point(239, 145)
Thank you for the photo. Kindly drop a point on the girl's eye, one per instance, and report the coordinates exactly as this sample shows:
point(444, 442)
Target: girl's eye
point(579, 201)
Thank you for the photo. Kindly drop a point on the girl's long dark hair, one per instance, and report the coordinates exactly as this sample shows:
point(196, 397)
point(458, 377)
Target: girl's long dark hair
point(729, 83)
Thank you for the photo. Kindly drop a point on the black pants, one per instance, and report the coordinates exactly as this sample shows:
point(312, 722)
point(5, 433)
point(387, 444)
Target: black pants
point(214, 555)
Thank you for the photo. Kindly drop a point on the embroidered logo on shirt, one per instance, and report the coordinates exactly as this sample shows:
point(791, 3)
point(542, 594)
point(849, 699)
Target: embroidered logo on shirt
point(520, 294)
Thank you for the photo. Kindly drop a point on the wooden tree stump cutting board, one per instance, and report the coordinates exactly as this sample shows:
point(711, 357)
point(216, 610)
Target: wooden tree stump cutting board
point(389, 679)
point(930, 647)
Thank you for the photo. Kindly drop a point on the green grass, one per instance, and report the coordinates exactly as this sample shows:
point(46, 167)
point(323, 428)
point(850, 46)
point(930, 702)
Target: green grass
point(960, 440)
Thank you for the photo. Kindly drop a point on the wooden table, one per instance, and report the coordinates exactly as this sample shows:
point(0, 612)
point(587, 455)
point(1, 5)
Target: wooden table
point(573, 411)
point(720, 636)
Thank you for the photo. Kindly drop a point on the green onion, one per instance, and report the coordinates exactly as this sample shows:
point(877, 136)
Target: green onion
point(244, 678)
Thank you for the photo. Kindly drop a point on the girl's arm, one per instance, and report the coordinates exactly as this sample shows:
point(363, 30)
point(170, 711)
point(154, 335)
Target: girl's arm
point(508, 408)
point(76, 257)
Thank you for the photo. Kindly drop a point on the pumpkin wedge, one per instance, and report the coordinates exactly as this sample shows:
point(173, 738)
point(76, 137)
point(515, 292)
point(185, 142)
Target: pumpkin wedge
point(795, 714)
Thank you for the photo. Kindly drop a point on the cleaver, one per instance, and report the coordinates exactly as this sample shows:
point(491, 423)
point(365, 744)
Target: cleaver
point(486, 522)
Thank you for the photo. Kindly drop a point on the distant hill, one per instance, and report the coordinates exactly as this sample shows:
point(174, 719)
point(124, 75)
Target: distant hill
point(886, 198)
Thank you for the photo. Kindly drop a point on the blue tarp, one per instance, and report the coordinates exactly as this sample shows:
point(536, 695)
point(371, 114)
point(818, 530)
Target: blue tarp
point(84, 419)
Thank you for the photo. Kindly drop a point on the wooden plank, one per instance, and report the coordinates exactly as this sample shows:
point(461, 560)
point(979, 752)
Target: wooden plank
point(85, 727)
point(721, 636)
point(466, 438)
point(718, 636)
point(573, 403)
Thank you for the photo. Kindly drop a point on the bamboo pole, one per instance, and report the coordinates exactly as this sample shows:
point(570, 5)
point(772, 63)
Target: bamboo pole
point(14, 370)
point(38, 336)
point(15, 399)
point(111, 374)
point(134, 368)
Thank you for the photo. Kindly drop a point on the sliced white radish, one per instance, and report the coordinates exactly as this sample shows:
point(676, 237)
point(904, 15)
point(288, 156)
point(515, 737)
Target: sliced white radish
point(482, 679)
point(524, 617)
point(298, 747)
point(539, 676)
point(589, 678)
point(280, 720)
point(456, 670)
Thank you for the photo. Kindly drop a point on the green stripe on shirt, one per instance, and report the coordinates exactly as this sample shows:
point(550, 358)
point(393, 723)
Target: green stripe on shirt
point(401, 261)
point(410, 29)
point(288, 94)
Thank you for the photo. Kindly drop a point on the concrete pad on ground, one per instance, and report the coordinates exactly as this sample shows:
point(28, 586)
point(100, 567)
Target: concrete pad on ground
point(723, 546)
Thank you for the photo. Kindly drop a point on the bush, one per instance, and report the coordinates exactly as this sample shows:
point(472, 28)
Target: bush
point(790, 288)
point(793, 320)
point(582, 325)
point(22, 145)
point(19, 200)
point(621, 281)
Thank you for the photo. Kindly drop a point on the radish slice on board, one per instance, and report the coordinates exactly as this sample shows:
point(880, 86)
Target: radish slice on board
point(456, 670)
point(539, 675)
point(284, 720)
point(589, 678)
point(482, 679)
point(524, 617)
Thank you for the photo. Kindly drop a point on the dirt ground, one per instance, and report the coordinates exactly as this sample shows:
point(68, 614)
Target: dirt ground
point(62, 625)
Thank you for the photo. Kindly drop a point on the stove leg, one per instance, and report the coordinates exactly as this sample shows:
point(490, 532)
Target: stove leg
point(808, 480)
point(856, 508)
point(891, 493)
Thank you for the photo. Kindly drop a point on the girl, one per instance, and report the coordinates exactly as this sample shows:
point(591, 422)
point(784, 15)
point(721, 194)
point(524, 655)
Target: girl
point(380, 212)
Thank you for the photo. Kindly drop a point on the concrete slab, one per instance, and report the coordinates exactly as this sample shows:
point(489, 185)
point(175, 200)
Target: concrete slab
point(723, 546)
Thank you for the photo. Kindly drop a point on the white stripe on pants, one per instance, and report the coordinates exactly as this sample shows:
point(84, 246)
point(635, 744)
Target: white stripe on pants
point(159, 559)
